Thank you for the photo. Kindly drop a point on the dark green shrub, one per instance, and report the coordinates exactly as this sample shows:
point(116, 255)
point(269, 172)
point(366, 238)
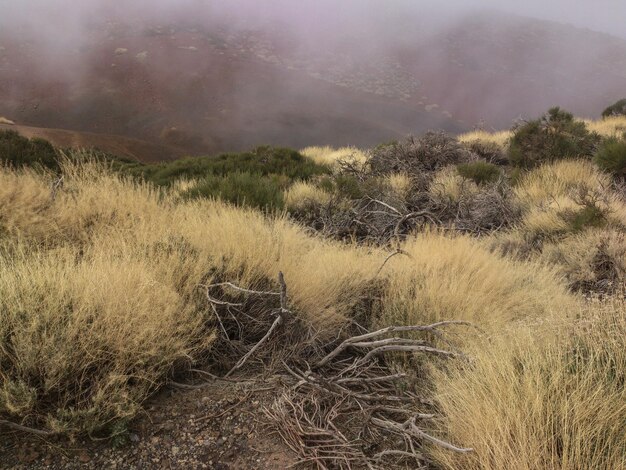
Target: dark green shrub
point(554, 136)
point(349, 186)
point(617, 109)
point(242, 189)
point(588, 217)
point(18, 151)
point(611, 156)
point(261, 161)
point(479, 172)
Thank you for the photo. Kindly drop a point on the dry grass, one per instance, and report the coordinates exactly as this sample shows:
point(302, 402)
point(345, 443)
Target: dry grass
point(560, 179)
point(594, 260)
point(500, 138)
point(449, 187)
point(99, 287)
point(454, 277)
point(399, 185)
point(609, 127)
point(4, 120)
point(301, 195)
point(545, 396)
point(329, 155)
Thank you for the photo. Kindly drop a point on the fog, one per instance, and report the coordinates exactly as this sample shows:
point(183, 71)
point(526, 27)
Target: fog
point(61, 44)
point(64, 17)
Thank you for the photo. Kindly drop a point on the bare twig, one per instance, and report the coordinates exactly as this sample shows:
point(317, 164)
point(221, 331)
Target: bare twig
point(19, 427)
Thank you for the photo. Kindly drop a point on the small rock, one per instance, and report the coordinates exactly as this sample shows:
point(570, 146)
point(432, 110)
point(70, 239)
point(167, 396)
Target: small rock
point(84, 457)
point(142, 56)
point(121, 51)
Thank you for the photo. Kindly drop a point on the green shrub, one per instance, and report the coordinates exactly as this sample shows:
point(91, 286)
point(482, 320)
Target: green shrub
point(479, 172)
point(18, 151)
point(349, 186)
point(588, 217)
point(617, 109)
point(242, 189)
point(554, 136)
point(611, 156)
point(262, 161)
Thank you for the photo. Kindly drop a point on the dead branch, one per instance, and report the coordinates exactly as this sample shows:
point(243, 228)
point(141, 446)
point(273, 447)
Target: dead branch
point(282, 313)
point(390, 329)
point(55, 186)
point(19, 427)
point(411, 428)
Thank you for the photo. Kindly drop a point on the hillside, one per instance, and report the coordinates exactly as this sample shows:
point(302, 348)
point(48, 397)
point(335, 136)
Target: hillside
point(205, 88)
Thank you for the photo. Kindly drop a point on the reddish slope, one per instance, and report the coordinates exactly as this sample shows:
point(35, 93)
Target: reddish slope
point(134, 149)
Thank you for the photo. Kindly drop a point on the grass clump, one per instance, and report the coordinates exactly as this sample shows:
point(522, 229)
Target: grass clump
point(548, 396)
point(556, 135)
point(87, 337)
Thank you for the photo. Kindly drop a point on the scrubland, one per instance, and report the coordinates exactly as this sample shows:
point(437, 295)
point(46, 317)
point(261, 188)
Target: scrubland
point(103, 286)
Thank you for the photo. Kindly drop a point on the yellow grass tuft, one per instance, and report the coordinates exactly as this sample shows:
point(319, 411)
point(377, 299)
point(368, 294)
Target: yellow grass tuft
point(398, 184)
point(560, 179)
point(454, 277)
point(4, 120)
point(500, 138)
point(546, 396)
point(330, 156)
point(449, 186)
point(609, 127)
point(301, 195)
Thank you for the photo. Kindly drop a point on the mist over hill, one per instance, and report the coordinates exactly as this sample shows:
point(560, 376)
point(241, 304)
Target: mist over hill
point(199, 78)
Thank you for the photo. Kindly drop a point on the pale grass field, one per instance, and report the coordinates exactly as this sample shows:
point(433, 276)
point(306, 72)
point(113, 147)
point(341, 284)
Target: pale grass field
point(101, 301)
point(102, 284)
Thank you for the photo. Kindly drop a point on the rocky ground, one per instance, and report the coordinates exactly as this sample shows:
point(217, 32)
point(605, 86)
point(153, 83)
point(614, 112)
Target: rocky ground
point(221, 426)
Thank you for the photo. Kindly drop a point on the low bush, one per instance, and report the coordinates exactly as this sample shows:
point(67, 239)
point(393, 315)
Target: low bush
point(611, 156)
point(416, 156)
point(556, 135)
point(18, 151)
point(262, 161)
point(480, 173)
point(616, 109)
point(489, 151)
point(241, 189)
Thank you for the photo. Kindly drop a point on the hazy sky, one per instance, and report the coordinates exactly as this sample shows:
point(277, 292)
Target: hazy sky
point(601, 15)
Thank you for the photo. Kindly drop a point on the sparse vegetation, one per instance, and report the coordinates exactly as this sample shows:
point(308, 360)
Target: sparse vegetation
point(127, 276)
